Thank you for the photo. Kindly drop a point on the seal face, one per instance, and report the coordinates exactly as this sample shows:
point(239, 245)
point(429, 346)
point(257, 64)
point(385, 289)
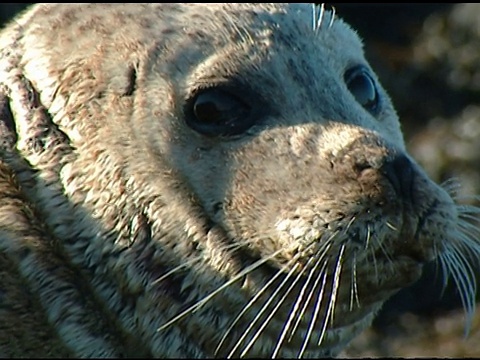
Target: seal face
point(225, 180)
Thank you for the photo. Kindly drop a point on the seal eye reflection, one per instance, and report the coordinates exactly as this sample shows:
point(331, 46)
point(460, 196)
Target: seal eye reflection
point(362, 86)
point(216, 112)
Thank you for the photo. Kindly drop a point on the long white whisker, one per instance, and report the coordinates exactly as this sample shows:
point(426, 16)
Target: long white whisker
point(295, 306)
point(383, 250)
point(451, 186)
point(317, 307)
point(174, 270)
point(350, 223)
point(274, 310)
point(354, 288)
point(464, 279)
point(207, 298)
point(332, 18)
point(314, 19)
point(333, 295)
point(470, 234)
point(324, 251)
point(230, 247)
point(307, 301)
point(472, 216)
point(391, 226)
point(369, 236)
point(250, 303)
point(320, 17)
point(265, 306)
point(374, 259)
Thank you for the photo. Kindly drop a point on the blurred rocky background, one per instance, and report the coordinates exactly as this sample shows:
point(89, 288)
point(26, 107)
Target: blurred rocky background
point(428, 58)
point(7, 11)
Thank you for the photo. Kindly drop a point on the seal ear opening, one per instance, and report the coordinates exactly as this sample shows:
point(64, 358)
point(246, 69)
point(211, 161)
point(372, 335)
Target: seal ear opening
point(8, 133)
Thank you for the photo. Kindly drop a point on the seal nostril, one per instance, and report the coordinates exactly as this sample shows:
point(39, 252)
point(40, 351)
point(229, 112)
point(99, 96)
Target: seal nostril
point(399, 171)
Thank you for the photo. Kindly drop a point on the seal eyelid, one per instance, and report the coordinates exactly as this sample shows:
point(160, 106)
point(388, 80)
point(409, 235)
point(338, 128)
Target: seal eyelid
point(363, 87)
point(217, 112)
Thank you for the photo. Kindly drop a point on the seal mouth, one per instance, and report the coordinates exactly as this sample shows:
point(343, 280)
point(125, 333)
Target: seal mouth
point(413, 251)
point(326, 288)
point(414, 245)
point(302, 275)
point(298, 310)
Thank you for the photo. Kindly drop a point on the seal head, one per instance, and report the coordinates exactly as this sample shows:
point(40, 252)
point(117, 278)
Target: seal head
point(228, 179)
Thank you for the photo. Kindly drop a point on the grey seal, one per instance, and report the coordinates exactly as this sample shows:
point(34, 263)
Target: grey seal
point(189, 180)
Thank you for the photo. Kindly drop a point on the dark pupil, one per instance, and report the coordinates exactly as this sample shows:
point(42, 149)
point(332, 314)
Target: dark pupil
point(215, 108)
point(207, 111)
point(362, 87)
point(215, 112)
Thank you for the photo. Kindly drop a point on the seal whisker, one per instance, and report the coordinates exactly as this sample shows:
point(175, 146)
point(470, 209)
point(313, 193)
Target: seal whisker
point(463, 202)
point(320, 16)
point(296, 306)
point(250, 303)
point(384, 251)
point(467, 239)
point(468, 247)
point(391, 226)
point(368, 236)
point(317, 19)
point(324, 251)
point(293, 314)
point(273, 312)
point(332, 16)
point(333, 295)
point(464, 277)
point(469, 212)
point(466, 226)
point(175, 270)
point(451, 186)
point(350, 223)
point(368, 239)
point(375, 267)
point(469, 234)
point(354, 286)
point(314, 16)
point(208, 297)
point(231, 248)
point(262, 310)
point(460, 259)
point(317, 305)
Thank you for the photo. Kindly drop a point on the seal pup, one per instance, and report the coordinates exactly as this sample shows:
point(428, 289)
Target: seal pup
point(189, 180)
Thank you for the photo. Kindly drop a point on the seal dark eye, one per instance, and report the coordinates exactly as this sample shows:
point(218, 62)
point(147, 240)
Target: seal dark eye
point(216, 112)
point(363, 88)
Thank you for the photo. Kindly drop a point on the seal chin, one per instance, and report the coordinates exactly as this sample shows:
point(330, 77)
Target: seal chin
point(417, 254)
point(312, 336)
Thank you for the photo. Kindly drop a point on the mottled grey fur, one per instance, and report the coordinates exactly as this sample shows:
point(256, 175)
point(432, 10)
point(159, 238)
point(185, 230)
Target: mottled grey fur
point(125, 232)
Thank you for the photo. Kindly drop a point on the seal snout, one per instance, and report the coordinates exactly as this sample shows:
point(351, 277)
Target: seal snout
point(380, 168)
point(388, 176)
point(400, 173)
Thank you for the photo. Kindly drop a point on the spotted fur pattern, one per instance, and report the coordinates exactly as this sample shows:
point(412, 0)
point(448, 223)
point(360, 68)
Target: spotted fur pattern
point(125, 232)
